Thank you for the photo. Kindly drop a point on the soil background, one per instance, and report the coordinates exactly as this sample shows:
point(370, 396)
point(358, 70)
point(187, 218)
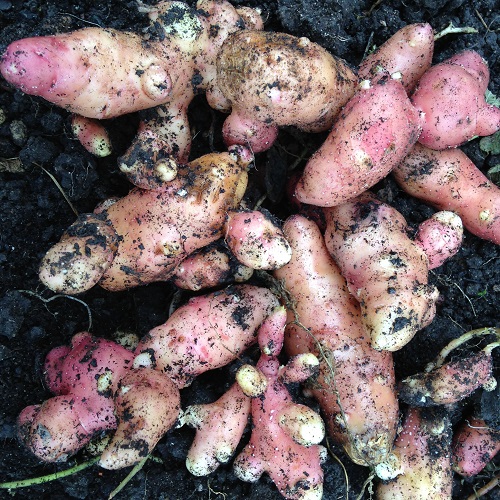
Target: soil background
point(35, 139)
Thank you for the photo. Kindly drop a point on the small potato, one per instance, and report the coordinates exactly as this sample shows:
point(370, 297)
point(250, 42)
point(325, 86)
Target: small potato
point(475, 444)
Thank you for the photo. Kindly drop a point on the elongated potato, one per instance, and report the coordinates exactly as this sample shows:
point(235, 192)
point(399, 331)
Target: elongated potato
point(373, 133)
point(356, 386)
point(449, 180)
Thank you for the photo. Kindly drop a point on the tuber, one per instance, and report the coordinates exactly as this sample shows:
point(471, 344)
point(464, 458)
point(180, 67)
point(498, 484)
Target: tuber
point(219, 428)
point(373, 133)
point(450, 96)
point(285, 435)
point(209, 267)
point(147, 404)
point(449, 180)
point(207, 333)
point(356, 384)
point(407, 53)
point(144, 236)
point(450, 382)
point(474, 446)
point(268, 80)
point(84, 378)
point(256, 240)
point(423, 451)
point(384, 269)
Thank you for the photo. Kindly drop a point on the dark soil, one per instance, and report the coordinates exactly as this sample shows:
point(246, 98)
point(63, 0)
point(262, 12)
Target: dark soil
point(35, 141)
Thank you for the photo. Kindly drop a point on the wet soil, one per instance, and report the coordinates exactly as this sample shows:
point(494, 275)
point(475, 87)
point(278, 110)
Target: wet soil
point(36, 145)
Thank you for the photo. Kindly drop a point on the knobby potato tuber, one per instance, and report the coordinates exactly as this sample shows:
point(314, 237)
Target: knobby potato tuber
point(268, 80)
point(373, 133)
point(144, 236)
point(474, 445)
point(450, 96)
point(424, 455)
point(256, 239)
point(219, 428)
point(450, 382)
point(356, 384)
point(449, 180)
point(147, 404)
point(285, 435)
point(103, 73)
point(385, 270)
point(207, 333)
point(84, 378)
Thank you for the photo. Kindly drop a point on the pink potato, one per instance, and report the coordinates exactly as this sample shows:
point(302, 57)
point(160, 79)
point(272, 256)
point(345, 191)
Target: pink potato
point(373, 133)
point(449, 180)
point(84, 378)
point(356, 385)
point(475, 444)
point(451, 97)
point(268, 80)
point(256, 239)
point(206, 333)
point(440, 237)
point(147, 404)
point(285, 435)
point(219, 428)
point(152, 232)
point(408, 53)
point(386, 272)
point(423, 450)
point(210, 267)
point(449, 383)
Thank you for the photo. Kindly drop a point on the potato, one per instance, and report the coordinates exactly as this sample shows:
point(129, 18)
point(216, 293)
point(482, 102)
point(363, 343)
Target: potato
point(475, 444)
point(386, 272)
point(356, 386)
point(373, 133)
point(423, 451)
point(449, 180)
point(408, 52)
point(451, 97)
point(269, 80)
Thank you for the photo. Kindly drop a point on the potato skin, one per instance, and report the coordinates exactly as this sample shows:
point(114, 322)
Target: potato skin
point(206, 333)
point(423, 450)
point(275, 79)
point(449, 383)
point(359, 400)
point(449, 180)
point(373, 133)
